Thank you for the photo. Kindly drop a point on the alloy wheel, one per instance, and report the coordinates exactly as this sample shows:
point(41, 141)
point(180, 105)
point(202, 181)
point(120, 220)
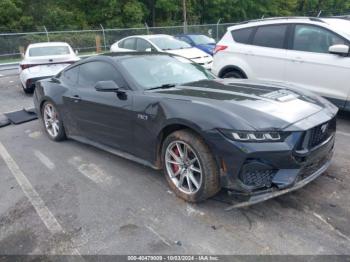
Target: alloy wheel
point(51, 120)
point(183, 167)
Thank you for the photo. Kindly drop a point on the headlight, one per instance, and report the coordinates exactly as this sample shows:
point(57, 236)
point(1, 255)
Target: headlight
point(249, 136)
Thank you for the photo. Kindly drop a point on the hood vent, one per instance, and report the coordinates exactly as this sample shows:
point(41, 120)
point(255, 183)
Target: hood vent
point(282, 95)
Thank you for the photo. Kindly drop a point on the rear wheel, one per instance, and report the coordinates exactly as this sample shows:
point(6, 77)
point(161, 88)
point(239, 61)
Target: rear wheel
point(233, 74)
point(52, 122)
point(189, 166)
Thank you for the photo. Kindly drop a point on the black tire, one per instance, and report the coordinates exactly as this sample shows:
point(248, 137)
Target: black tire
point(210, 181)
point(29, 90)
point(61, 134)
point(233, 74)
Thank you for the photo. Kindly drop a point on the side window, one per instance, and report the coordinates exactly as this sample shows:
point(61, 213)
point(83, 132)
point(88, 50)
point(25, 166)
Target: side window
point(314, 39)
point(142, 45)
point(92, 72)
point(129, 43)
point(270, 36)
point(71, 75)
point(242, 35)
point(121, 44)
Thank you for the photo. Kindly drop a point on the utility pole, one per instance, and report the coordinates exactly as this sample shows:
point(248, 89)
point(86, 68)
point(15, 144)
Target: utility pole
point(185, 15)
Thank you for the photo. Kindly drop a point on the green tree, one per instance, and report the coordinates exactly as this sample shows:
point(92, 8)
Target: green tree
point(31, 15)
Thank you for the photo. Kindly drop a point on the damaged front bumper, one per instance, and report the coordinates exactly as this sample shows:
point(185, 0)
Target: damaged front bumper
point(265, 195)
point(277, 172)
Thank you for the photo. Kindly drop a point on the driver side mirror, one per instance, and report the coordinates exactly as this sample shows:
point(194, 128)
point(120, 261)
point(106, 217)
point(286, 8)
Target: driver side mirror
point(342, 50)
point(107, 86)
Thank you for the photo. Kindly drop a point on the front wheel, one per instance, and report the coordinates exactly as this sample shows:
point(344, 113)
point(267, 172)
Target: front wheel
point(189, 166)
point(52, 122)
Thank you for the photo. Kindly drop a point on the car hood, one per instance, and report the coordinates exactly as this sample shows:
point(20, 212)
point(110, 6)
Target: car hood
point(190, 53)
point(260, 105)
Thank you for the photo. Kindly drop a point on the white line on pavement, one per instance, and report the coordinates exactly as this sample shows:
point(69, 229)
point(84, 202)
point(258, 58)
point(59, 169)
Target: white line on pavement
point(44, 159)
point(41, 209)
point(318, 216)
point(159, 236)
point(343, 133)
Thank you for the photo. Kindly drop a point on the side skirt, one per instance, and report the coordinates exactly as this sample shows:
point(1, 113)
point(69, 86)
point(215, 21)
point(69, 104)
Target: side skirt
point(114, 151)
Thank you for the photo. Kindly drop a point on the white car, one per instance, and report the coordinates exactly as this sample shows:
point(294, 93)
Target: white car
point(163, 43)
point(43, 60)
point(312, 53)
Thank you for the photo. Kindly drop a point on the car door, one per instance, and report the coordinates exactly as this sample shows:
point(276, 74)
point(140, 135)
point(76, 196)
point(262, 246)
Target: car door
point(312, 67)
point(104, 117)
point(266, 54)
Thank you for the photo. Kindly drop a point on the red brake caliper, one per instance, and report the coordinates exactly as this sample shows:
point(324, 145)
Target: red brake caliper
point(174, 166)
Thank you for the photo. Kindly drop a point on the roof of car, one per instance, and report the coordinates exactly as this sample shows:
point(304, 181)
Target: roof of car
point(149, 36)
point(339, 25)
point(43, 44)
point(273, 20)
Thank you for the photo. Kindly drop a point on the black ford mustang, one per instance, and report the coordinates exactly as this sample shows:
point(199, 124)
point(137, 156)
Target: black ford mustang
point(206, 133)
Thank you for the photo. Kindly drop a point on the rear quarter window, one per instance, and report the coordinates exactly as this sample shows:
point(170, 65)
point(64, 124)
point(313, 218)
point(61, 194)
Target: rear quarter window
point(270, 36)
point(242, 35)
point(130, 43)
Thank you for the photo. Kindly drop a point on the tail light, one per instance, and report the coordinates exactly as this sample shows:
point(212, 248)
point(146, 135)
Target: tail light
point(25, 66)
point(219, 48)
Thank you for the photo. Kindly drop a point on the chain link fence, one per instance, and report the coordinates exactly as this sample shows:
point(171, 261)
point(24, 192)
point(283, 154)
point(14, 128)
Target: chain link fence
point(90, 41)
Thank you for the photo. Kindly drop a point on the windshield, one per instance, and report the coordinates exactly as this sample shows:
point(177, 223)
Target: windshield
point(168, 43)
point(49, 50)
point(158, 70)
point(202, 39)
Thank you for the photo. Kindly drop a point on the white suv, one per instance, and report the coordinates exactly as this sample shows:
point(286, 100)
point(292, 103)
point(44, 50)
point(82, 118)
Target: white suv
point(312, 53)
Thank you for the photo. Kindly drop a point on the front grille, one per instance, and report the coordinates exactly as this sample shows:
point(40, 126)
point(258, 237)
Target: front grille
point(321, 133)
point(258, 178)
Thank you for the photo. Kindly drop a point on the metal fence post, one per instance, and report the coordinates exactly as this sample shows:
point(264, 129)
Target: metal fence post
point(104, 37)
point(147, 28)
point(319, 13)
point(217, 30)
point(47, 34)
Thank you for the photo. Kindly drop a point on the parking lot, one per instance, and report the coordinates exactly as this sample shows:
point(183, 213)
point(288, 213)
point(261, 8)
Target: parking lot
point(69, 198)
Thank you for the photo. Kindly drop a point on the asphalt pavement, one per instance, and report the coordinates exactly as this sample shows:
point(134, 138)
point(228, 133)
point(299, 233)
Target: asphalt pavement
point(70, 198)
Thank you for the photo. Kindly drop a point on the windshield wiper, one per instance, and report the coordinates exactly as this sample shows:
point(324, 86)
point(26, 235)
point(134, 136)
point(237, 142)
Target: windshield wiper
point(165, 86)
